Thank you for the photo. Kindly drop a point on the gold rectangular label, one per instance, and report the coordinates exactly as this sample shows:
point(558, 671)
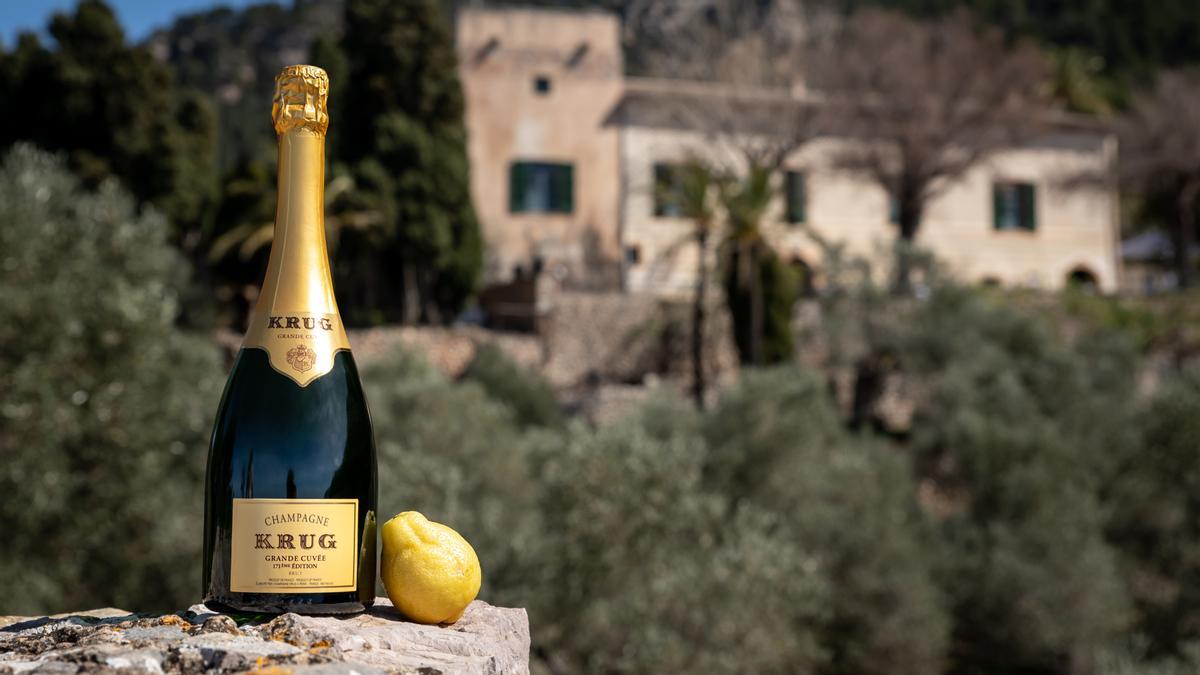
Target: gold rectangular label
point(294, 546)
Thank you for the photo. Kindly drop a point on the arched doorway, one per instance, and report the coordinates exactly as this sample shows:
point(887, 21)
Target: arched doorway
point(1082, 279)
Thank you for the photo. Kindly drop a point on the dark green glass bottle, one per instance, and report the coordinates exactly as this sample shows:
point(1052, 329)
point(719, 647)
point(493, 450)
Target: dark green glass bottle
point(291, 490)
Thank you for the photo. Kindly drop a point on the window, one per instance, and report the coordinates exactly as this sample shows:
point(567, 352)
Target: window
point(796, 194)
point(541, 85)
point(1014, 206)
point(540, 187)
point(893, 209)
point(668, 191)
point(633, 255)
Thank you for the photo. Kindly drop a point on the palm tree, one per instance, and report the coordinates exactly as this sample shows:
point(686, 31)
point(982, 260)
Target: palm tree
point(256, 232)
point(689, 192)
point(745, 200)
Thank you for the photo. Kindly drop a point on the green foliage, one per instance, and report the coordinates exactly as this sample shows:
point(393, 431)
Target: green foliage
point(686, 189)
point(1155, 516)
point(778, 286)
point(405, 241)
point(105, 405)
point(231, 56)
point(690, 528)
point(1130, 40)
point(1015, 431)
point(641, 569)
point(1137, 321)
point(615, 530)
point(777, 444)
point(404, 138)
point(759, 289)
point(326, 53)
point(529, 397)
point(113, 110)
point(457, 456)
point(1077, 81)
point(1132, 660)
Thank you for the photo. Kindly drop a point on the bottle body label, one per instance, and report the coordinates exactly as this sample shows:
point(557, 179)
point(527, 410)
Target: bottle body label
point(294, 546)
point(301, 345)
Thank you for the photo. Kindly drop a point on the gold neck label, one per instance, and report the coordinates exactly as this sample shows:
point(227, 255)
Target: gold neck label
point(300, 345)
point(296, 319)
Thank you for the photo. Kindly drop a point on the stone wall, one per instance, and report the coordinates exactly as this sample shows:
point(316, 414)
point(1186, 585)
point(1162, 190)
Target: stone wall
point(487, 640)
point(590, 339)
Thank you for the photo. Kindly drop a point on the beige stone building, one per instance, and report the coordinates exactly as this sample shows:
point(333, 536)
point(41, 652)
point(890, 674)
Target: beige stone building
point(565, 151)
point(545, 168)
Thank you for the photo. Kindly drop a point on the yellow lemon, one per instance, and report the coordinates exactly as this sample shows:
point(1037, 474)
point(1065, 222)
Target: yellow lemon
point(430, 572)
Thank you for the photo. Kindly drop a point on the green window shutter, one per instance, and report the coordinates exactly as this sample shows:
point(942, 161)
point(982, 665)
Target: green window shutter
point(797, 196)
point(517, 185)
point(997, 206)
point(802, 200)
point(1026, 198)
point(662, 186)
point(554, 187)
point(566, 202)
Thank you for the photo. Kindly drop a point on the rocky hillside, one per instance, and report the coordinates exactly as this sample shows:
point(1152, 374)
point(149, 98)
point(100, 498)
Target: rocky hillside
point(232, 55)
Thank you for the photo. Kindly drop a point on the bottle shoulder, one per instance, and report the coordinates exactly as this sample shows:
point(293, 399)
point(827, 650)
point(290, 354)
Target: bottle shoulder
point(265, 407)
point(253, 367)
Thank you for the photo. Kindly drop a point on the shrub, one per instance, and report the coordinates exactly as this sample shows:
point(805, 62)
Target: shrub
point(527, 394)
point(598, 531)
point(641, 569)
point(105, 406)
point(778, 286)
point(777, 445)
point(1132, 659)
point(1155, 516)
point(456, 455)
point(1014, 430)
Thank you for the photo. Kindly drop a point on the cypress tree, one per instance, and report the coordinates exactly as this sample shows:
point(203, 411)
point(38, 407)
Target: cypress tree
point(112, 108)
point(402, 137)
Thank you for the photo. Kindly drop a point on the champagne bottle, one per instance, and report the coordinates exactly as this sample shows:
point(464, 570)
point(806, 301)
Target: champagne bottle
point(290, 501)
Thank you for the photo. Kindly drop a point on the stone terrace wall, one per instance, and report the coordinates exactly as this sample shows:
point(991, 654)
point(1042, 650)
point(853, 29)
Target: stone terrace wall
point(599, 350)
point(487, 640)
point(591, 337)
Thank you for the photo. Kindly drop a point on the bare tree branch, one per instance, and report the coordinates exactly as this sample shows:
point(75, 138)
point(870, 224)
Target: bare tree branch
point(736, 73)
point(919, 104)
point(1160, 141)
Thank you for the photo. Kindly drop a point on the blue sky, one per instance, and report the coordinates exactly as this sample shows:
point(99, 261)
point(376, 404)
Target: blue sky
point(140, 17)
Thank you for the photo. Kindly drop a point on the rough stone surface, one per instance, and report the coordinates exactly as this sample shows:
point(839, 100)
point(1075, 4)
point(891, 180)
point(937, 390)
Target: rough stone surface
point(486, 640)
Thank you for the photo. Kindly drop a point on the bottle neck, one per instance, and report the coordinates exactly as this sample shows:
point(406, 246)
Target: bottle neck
point(298, 277)
point(296, 318)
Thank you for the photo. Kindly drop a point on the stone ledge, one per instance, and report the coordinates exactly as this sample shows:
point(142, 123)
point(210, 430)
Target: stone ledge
point(487, 640)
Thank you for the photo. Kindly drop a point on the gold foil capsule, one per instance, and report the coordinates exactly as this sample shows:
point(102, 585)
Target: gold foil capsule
point(301, 99)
